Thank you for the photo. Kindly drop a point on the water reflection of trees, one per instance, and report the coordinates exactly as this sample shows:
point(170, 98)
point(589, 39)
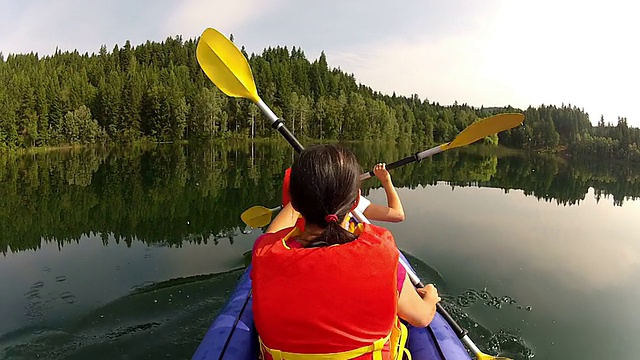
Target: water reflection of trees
point(161, 194)
point(564, 181)
point(169, 194)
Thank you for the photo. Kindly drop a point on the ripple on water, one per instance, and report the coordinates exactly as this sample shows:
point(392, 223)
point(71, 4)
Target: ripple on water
point(510, 343)
point(35, 310)
point(143, 286)
point(161, 331)
point(68, 297)
point(116, 333)
point(32, 294)
point(471, 296)
point(505, 342)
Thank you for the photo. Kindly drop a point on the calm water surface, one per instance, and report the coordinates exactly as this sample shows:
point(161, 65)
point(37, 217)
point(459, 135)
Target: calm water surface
point(129, 253)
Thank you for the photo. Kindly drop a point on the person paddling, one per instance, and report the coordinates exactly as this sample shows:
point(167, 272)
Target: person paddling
point(323, 289)
point(393, 212)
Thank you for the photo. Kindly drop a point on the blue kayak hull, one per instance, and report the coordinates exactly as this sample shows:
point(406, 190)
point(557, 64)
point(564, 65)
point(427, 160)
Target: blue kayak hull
point(232, 334)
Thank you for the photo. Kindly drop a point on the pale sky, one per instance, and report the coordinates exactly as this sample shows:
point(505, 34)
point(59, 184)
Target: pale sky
point(488, 52)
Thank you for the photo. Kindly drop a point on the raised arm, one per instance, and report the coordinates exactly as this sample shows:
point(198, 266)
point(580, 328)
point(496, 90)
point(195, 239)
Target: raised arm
point(393, 212)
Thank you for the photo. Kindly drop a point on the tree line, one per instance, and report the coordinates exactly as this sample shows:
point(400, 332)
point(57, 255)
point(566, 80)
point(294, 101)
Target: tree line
point(171, 194)
point(156, 91)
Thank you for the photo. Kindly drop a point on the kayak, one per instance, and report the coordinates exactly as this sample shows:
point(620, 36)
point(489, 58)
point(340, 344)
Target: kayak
point(232, 335)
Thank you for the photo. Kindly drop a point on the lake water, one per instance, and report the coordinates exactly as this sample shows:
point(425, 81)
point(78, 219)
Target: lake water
point(129, 253)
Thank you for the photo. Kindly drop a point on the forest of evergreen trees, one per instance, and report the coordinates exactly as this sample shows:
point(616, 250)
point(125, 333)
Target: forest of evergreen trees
point(157, 92)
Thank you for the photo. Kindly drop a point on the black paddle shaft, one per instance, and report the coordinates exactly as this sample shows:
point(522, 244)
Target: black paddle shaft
point(291, 139)
point(397, 164)
point(460, 331)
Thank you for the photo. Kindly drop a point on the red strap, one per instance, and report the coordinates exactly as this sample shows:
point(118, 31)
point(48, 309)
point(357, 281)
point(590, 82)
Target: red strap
point(285, 187)
point(286, 198)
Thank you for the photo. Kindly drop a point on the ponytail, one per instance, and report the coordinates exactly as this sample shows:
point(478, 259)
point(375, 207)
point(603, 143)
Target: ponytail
point(333, 234)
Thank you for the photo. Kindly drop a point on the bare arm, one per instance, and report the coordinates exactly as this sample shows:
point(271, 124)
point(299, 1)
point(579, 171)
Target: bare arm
point(285, 219)
point(393, 212)
point(417, 308)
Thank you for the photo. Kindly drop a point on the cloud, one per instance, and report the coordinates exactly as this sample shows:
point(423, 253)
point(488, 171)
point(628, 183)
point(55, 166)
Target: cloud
point(493, 52)
point(524, 53)
point(570, 51)
point(442, 70)
point(41, 26)
point(190, 18)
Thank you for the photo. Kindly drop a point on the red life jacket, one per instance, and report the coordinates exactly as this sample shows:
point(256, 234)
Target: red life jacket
point(326, 300)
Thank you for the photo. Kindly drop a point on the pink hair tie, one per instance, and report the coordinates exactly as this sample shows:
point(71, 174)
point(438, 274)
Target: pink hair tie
point(331, 218)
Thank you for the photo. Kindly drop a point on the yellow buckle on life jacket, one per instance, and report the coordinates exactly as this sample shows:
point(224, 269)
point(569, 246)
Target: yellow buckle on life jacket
point(397, 337)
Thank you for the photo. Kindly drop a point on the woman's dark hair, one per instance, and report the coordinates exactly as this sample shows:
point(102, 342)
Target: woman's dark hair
point(324, 181)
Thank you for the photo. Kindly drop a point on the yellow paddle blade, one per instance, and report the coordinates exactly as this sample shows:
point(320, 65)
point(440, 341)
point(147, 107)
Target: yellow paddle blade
point(256, 216)
point(483, 356)
point(225, 65)
point(483, 128)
